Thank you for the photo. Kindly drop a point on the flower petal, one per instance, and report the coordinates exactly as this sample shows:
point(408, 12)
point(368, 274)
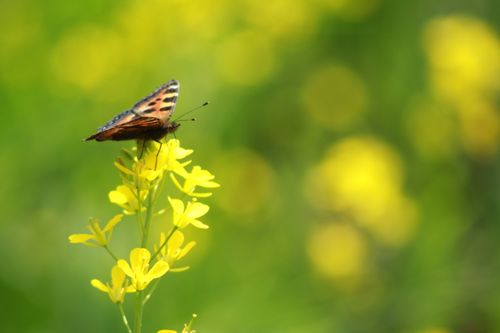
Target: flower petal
point(175, 240)
point(189, 246)
point(114, 221)
point(176, 182)
point(180, 269)
point(199, 224)
point(117, 276)
point(200, 195)
point(177, 205)
point(123, 169)
point(79, 238)
point(117, 197)
point(158, 270)
point(99, 285)
point(196, 209)
point(125, 267)
point(139, 258)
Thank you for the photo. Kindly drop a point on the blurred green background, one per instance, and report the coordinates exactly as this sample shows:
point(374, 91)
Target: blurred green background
point(356, 141)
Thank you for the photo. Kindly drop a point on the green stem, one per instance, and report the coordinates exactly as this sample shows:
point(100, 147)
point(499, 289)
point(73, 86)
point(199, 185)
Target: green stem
point(124, 318)
point(151, 291)
point(110, 253)
point(139, 211)
point(164, 242)
point(149, 214)
point(138, 313)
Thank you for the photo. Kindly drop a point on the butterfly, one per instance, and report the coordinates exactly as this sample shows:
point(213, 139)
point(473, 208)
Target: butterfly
point(148, 119)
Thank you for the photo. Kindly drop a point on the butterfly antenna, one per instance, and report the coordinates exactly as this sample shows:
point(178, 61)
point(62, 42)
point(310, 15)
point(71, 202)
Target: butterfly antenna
point(188, 112)
point(190, 119)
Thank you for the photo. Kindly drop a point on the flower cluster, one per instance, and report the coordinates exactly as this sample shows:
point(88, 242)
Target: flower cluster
point(143, 178)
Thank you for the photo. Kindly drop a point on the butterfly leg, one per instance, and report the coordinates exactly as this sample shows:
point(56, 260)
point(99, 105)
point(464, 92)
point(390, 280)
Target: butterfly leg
point(158, 153)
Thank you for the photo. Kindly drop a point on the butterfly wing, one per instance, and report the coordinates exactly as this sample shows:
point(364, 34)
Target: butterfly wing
point(149, 128)
point(160, 104)
point(151, 114)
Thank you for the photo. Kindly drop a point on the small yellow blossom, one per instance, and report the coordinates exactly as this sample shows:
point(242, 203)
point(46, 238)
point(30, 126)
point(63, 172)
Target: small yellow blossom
point(197, 177)
point(170, 153)
point(174, 251)
point(183, 217)
point(98, 236)
point(118, 287)
point(142, 172)
point(186, 329)
point(139, 271)
point(126, 198)
point(157, 158)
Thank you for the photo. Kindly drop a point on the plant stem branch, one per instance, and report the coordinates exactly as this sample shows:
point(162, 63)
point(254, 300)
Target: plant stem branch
point(138, 313)
point(124, 318)
point(151, 291)
point(110, 253)
point(149, 214)
point(162, 245)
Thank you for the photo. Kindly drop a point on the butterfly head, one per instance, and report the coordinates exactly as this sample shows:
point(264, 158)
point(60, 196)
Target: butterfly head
point(172, 127)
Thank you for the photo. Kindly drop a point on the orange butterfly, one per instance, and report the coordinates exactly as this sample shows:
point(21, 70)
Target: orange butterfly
point(148, 119)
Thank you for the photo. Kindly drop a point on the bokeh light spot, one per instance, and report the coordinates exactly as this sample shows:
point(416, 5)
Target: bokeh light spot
point(362, 178)
point(337, 251)
point(297, 23)
point(464, 59)
point(464, 56)
point(335, 96)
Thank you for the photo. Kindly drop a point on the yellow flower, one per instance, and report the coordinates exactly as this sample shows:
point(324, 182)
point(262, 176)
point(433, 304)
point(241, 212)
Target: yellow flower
point(170, 153)
point(186, 329)
point(118, 287)
point(174, 251)
point(142, 172)
point(139, 271)
point(98, 236)
point(183, 217)
point(157, 158)
point(197, 177)
point(125, 197)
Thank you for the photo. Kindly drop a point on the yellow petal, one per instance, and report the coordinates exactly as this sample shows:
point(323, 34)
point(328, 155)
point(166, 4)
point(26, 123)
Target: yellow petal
point(117, 276)
point(99, 285)
point(150, 174)
point(177, 205)
point(210, 184)
point(180, 269)
point(186, 249)
point(200, 195)
point(196, 209)
point(175, 240)
point(123, 169)
point(158, 270)
point(114, 221)
point(79, 238)
point(125, 267)
point(166, 331)
point(117, 198)
point(199, 224)
point(176, 182)
point(139, 258)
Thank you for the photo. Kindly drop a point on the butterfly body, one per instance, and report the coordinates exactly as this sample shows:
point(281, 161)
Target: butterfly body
point(148, 119)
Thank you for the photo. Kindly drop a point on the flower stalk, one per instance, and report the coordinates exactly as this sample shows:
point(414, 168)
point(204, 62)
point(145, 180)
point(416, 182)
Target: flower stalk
point(143, 179)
